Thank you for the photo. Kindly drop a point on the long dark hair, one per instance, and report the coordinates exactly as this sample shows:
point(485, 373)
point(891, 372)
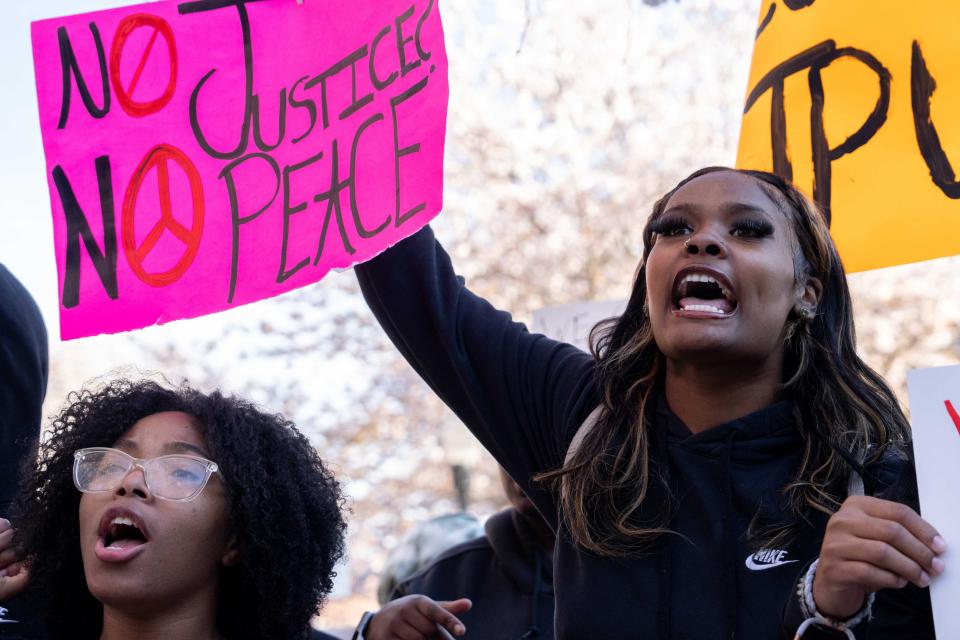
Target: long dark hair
point(845, 412)
point(285, 510)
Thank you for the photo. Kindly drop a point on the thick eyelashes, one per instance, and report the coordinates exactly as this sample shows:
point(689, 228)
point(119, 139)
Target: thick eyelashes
point(671, 226)
point(752, 228)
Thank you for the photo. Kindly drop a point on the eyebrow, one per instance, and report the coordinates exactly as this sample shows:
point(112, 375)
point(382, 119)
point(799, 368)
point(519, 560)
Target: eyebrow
point(176, 446)
point(726, 207)
point(185, 447)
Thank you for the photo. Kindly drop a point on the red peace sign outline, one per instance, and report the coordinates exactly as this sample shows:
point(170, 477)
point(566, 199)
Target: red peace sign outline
point(126, 27)
point(159, 158)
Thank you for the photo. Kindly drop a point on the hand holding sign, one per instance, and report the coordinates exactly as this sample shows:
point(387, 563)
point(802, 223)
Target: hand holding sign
point(872, 544)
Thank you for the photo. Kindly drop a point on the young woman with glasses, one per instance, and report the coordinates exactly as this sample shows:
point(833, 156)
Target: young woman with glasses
point(709, 450)
point(169, 513)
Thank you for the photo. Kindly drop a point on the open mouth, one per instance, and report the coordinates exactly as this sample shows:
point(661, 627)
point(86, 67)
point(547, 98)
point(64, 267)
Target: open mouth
point(121, 536)
point(698, 290)
point(123, 533)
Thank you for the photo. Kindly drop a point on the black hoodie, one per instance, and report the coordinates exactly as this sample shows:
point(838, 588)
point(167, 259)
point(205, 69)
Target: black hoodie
point(524, 396)
point(23, 381)
point(506, 575)
point(23, 384)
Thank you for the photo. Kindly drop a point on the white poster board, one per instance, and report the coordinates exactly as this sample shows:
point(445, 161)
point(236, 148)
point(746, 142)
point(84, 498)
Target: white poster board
point(935, 411)
point(572, 322)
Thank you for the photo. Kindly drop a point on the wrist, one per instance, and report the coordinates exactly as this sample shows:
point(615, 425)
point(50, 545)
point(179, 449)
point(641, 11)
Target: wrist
point(839, 604)
point(363, 627)
point(817, 617)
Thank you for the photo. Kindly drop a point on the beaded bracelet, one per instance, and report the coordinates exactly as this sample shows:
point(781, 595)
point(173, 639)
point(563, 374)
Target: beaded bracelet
point(814, 617)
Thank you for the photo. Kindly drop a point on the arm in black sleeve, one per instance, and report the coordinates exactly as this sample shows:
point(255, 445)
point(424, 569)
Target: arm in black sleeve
point(521, 394)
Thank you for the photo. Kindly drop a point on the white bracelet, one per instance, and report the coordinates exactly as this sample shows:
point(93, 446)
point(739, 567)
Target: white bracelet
point(360, 633)
point(814, 617)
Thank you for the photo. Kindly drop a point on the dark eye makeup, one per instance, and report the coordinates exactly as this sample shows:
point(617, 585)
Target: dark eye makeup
point(752, 228)
point(671, 225)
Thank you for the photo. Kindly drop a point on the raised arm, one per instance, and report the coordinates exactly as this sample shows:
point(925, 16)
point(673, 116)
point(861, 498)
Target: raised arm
point(521, 394)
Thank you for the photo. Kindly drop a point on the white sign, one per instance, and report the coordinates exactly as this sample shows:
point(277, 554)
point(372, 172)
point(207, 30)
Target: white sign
point(572, 322)
point(935, 409)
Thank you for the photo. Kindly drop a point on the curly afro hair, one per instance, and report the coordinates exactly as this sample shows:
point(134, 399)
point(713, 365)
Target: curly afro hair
point(285, 510)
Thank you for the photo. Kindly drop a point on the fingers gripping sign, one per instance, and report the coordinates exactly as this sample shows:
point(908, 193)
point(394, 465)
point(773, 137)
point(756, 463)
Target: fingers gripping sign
point(418, 618)
point(872, 544)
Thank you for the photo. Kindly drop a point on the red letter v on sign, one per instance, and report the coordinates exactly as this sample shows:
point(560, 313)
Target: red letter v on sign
point(953, 415)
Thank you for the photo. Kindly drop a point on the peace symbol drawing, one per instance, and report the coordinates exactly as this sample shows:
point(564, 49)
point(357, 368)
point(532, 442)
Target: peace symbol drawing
point(158, 160)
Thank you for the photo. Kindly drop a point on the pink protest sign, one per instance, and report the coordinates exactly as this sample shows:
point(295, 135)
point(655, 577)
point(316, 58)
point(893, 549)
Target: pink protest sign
point(210, 153)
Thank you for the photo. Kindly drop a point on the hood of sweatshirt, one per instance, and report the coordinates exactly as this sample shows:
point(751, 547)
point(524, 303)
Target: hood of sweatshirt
point(517, 549)
point(23, 380)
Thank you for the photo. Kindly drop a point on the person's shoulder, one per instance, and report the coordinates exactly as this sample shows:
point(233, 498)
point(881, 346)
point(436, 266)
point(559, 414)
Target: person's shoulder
point(451, 561)
point(320, 635)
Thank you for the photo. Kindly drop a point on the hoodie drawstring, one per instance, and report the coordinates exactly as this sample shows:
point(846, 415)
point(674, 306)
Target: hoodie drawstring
point(730, 538)
point(666, 576)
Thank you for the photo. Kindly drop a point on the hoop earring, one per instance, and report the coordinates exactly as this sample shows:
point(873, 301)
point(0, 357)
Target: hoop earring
point(799, 335)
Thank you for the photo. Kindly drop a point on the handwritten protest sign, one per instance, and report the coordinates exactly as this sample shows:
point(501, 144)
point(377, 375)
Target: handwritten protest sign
point(209, 153)
point(857, 102)
point(573, 322)
point(934, 403)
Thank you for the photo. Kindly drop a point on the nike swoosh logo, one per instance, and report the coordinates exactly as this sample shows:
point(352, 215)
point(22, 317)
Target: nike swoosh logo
point(763, 567)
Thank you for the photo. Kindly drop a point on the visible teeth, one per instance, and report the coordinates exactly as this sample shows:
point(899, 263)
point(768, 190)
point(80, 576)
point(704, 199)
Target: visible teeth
point(699, 277)
point(702, 307)
point(127, 521)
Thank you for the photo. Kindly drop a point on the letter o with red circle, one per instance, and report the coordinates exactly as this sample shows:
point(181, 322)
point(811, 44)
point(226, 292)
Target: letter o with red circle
point(126, 28)
point(159, 160)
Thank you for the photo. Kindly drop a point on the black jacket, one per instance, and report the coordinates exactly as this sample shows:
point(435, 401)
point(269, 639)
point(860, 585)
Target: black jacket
point(505, 573)
point(23, 381)
point(23, 384)
point(524, 396)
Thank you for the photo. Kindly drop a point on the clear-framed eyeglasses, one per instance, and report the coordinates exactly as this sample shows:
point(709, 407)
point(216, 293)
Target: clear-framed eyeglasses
point(173, 477)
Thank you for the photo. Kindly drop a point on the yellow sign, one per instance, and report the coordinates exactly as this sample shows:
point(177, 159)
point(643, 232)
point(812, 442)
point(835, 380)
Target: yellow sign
point(858, 103)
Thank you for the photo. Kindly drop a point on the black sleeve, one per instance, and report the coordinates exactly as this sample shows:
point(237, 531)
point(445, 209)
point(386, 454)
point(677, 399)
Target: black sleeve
point(521, 394)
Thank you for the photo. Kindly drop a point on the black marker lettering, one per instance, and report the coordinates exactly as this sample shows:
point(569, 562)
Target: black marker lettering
point(399, 152)
point(307, 104)
point(922, 86)
point(356, 103)
point(71, 69)
point(354, 207)
point(248, 97)
point(816, 59)
point(288, 212)
point(238, 220)
point(281, 125)
point(379, 84)
point(332, 196)
point(766, 19)
point(325, 75)
point(105, 262)
point(402, 43)
point(424, 54)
